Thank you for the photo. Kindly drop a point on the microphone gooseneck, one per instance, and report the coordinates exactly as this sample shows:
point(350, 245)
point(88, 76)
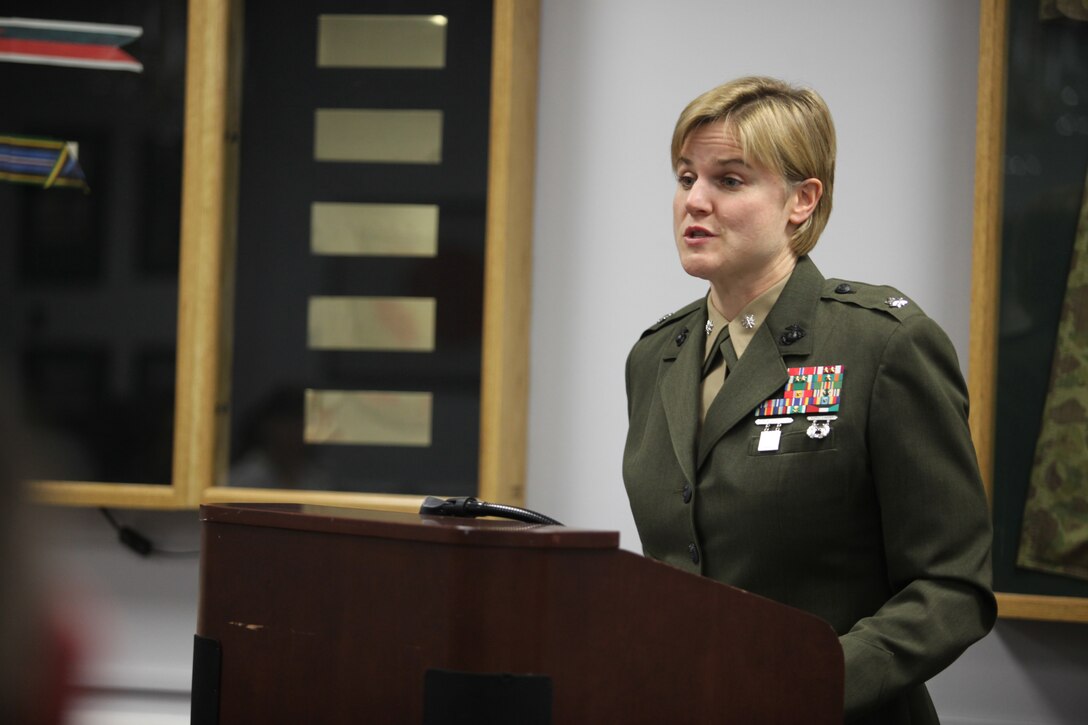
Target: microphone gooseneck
point(470, 507)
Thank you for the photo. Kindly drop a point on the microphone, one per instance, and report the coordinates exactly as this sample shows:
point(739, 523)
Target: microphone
point(469, 507)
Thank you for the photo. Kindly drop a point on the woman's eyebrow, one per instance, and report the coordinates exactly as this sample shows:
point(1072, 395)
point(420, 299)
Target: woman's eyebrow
point(683, 161)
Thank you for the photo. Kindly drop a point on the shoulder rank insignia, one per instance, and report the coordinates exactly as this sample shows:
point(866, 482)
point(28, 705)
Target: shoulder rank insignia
point(896, 302)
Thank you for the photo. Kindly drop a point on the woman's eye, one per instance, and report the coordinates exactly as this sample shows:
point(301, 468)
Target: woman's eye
point(686, 182)
point(730, 182)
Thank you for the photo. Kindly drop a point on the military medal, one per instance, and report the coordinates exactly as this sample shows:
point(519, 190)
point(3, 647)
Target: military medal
point(771, 434)
point(821, 426)
point(811, 391)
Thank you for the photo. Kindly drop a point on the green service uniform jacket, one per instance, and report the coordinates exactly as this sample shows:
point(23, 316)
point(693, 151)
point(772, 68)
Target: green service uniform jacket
point(881, 528)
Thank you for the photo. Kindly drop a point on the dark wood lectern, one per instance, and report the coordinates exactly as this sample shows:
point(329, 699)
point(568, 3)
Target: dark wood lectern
point(323, 615)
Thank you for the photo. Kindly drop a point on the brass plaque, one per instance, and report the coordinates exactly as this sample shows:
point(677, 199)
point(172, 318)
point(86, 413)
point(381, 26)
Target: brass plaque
point(381, 41)
point(399, 324)
point(378, 135)
point(368, 417)
point(386, 230)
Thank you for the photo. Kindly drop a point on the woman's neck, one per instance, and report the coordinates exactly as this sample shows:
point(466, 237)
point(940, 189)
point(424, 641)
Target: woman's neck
point(732, 297)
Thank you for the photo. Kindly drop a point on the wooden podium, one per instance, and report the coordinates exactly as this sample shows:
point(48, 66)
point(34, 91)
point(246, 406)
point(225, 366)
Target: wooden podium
point(312, 614)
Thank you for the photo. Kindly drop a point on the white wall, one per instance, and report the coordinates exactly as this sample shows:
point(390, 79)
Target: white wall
point(900, 79)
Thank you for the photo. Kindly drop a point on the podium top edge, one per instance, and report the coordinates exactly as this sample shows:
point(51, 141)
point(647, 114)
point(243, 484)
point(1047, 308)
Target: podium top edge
point(400, 525)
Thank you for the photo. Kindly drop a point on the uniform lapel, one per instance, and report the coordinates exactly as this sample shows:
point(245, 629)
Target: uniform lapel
point(757, 376)
point(678, 385)
point(761, 373)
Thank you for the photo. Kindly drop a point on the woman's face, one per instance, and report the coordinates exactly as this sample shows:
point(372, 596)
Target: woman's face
point(732, 220)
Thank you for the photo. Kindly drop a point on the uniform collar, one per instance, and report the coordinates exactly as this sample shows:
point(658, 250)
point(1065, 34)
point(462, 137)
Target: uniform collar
point(791, 319)
point(756, 311)
point(761, 374)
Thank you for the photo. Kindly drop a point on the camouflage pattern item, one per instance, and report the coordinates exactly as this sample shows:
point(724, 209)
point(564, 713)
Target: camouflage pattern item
point(1075, 9)
point(1054, 537)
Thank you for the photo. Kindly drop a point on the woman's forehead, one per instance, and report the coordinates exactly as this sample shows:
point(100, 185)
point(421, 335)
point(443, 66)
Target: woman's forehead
point(715, 134)
point(719, 140)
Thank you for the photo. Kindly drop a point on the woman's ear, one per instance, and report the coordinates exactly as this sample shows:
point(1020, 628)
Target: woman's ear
point(803, 199)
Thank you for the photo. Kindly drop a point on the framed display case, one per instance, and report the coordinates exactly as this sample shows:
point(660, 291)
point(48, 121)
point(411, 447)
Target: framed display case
point(1031, 162)
point(354, 265)
point(89, 275)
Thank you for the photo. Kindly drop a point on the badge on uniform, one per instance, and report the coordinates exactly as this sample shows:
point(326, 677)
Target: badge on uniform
point(820, 426)
point(811, 391)
point(771, 434)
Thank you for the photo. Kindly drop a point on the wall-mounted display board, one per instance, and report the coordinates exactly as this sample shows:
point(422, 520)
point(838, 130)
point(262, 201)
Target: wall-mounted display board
point(1029, 321)
point(91, 135)
point(354, 262)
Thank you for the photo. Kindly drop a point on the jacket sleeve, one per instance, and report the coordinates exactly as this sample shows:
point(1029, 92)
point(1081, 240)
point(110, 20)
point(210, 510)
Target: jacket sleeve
point(935, 519)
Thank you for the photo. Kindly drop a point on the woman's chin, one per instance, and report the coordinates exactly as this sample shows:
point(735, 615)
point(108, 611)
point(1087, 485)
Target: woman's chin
point(698, 267)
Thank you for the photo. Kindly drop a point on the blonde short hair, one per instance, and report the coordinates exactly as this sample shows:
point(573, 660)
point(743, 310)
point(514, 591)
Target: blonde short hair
point(787, 129)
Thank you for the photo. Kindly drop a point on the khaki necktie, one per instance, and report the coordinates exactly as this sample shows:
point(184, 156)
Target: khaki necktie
point(717, 364)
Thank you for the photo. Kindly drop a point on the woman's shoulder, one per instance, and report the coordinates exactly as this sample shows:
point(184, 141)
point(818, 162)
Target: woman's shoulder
point(883, 301)
point(881, 312)
point(671, 326)
point(669, 319)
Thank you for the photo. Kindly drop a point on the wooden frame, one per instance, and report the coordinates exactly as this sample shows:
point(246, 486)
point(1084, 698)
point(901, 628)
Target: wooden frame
point(205, 299)
point(203, 219)
point(985, 287)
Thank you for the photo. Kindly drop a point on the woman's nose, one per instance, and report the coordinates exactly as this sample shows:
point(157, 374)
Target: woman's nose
point(697, 200)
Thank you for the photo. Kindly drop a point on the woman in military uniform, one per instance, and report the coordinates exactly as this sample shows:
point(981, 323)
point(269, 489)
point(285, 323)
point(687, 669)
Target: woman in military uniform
point(805, 438)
